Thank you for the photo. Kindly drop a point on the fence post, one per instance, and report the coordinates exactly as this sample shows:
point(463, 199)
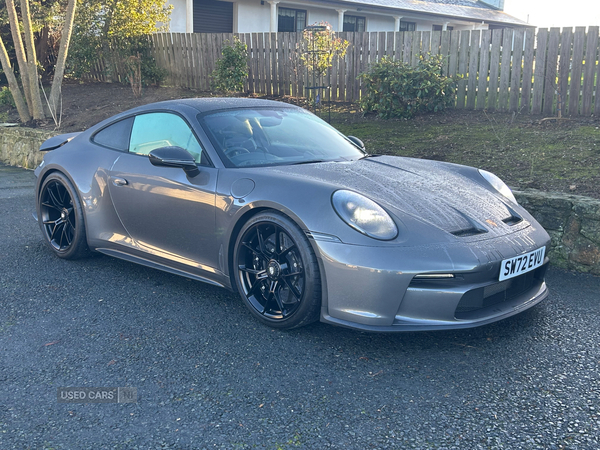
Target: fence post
point(505, 68)
point(551, 68)
point(515, 79)
point(484, 62)
point(473, 61)
point(539, 76)
point(588, 73)
point(462, 68)
point(576, 64)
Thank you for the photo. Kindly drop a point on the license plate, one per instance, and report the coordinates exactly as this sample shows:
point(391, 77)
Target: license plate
point(519, 265)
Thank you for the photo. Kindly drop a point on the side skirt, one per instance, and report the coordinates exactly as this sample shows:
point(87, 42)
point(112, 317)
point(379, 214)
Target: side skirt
point(155, 265)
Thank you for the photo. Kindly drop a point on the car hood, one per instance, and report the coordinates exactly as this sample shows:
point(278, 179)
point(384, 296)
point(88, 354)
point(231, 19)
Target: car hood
point(441, 194)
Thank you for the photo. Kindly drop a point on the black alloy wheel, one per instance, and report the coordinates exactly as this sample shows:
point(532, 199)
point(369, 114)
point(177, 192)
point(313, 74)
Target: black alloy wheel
point(276, 272)
point(61, 218)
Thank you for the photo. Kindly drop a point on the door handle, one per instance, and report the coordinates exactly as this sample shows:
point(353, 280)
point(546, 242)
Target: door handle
point(119, 181)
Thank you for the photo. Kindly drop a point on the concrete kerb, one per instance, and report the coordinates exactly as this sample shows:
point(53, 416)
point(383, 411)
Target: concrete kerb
point(572, 221)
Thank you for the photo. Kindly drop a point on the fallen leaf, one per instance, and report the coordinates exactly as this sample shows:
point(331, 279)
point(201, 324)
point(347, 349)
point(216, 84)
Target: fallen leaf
point(111, 362)
point(51, 343)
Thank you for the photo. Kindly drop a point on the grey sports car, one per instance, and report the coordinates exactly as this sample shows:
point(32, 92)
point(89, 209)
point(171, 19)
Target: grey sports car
point(265, 199)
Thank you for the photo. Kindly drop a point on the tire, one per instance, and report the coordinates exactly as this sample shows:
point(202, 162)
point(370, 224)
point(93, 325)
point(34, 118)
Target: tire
point(276, 272)
point(60, 217)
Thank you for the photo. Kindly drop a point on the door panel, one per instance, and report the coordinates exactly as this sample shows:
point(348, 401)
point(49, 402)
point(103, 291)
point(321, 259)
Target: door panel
point(167, 214)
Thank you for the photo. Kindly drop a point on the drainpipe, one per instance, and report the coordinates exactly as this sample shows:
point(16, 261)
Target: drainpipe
point(273, 27)
point(445, 26)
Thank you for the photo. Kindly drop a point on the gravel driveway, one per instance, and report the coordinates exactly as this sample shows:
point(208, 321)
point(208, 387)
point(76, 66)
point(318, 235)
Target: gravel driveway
point(209, 376)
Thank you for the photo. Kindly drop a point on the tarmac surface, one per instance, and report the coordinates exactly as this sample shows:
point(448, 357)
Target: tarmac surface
point(209, 376)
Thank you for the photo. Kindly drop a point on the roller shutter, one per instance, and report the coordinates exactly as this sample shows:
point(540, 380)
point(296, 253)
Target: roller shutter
point(211, 16)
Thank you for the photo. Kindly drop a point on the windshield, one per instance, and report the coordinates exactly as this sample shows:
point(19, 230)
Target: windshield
point(265, 137)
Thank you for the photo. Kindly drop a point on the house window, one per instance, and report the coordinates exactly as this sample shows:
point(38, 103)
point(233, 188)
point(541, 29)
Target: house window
point(291, 20)
point(441, 28)
point(407, 26)
point(354, 23)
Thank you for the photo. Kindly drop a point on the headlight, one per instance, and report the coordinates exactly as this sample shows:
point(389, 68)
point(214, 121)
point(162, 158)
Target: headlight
point(364, 215)
point(498, 184)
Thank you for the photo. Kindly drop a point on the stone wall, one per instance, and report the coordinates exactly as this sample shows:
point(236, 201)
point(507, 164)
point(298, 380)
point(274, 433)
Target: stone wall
point(572, 221)
point(20, 146)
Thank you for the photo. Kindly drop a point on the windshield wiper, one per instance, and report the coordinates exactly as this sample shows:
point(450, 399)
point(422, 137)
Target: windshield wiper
point(312, 161)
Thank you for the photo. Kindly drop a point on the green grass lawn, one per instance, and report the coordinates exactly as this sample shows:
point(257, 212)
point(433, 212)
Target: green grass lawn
point(526, 152)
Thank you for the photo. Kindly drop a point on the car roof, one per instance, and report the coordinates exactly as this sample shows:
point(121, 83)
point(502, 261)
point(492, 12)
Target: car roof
point(202, 105)
point(207, 104)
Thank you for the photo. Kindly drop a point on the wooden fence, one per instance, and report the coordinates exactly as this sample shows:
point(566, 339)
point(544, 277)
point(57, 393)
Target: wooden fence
point(505, 70)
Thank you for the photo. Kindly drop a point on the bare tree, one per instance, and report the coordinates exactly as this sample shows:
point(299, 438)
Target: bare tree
point(13, 85)
point(26, 59)
point(20, 51)
point(59, 70)
point(36, 99)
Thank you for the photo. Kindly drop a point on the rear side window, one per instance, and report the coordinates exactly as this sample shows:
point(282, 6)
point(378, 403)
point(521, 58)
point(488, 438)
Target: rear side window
point(155, 130)
point(115, 136)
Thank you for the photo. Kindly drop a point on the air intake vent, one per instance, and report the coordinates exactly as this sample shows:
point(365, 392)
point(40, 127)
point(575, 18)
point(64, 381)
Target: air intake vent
point(512, 220)
point(468, 232)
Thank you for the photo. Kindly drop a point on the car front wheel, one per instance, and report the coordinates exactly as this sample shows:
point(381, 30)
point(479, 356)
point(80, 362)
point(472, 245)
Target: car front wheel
point(276, 272)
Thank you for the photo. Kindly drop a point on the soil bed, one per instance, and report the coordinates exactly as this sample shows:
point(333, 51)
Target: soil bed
point(526, 151)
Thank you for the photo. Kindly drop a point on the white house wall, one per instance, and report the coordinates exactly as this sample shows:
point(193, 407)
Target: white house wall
point(317, 15)
point(178, 16)
point(375, 22)
point(250, 16)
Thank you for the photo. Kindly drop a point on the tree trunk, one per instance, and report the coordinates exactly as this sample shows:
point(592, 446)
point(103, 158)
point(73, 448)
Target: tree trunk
point(20, 51)
point(13, 85)
point(107, 54)
point(59, 69)
point(34, 86)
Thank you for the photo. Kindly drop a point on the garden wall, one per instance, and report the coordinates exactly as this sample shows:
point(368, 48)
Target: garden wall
point(20, 146)
point(572, 221)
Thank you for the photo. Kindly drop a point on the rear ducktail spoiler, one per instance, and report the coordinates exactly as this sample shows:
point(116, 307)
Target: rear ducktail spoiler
point(57, 141)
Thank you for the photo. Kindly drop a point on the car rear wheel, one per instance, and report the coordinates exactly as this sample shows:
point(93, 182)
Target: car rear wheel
point(276, 272)
point(60, 217)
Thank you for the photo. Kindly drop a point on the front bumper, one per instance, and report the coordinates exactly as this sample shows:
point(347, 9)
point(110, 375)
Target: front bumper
point(374, 288)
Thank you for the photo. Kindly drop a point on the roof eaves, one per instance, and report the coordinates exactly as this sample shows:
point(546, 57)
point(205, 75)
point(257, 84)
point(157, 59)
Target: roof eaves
point(437, 9)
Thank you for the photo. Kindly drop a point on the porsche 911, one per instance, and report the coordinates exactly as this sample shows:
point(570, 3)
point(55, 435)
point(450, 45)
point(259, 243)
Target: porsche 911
point(266, 199)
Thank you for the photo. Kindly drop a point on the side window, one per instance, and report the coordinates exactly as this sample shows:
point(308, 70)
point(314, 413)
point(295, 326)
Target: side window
point(155, 130)
point(115, 136)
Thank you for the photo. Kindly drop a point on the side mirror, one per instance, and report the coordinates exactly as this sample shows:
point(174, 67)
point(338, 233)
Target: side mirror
point(174, 157)
point(356, 141)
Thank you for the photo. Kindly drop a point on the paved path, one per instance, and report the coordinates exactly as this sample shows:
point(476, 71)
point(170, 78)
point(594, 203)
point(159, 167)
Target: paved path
point(209, 376)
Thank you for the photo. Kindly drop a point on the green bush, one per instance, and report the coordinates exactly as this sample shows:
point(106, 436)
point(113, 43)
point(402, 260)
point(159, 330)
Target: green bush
point(232, 68)
point(396, 89)
point(6, 97)
point(151, 72)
